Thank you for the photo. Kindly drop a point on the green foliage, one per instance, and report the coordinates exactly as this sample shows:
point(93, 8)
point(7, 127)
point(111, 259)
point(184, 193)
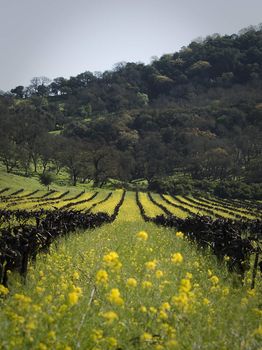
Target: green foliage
point(46, 179)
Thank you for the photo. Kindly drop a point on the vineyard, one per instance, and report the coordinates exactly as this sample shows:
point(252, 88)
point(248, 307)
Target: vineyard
point(124, 270)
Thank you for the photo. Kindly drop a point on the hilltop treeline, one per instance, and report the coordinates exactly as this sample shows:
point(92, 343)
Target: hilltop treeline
point(197, 112)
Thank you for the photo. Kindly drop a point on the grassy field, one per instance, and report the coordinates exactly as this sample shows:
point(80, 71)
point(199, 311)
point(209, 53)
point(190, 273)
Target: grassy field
point(128, 285)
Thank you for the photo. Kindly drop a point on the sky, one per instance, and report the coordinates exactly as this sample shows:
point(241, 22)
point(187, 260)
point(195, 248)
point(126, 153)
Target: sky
point(56, 38)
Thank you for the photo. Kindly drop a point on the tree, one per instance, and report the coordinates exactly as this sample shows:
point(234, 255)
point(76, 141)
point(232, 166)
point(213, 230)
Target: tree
point(46, 179)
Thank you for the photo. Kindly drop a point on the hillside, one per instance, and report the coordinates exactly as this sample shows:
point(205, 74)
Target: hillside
point(195, 115)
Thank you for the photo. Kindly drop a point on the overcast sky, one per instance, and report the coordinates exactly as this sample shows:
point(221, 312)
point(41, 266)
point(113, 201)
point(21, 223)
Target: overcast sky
point(66, 37)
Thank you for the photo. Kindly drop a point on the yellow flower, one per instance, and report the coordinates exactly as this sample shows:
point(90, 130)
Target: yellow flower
point(181, 301)
point(159, 274)
point(51, 335)
point(143, 309)
point(3, 290)
point(102, 277)
point(258, 331)
point(42, 346)
point(142, 235)
point(131, 282)
point(97, 334)
point(110, 316)
point(185, 285)
point(180, 234)
point(251, 292)
point(225, 291)
point(146, 337)
point(76, 275)
point(73, 298)
point(151, 265)
point(112, 261)
point(22, 298)
point(214, 279)
point(112, 342)
point(162, 315)
point(165, 306)
point(152, 310)
point(176, 258)
point(146, 284)
point(114, 297)
point(206, 301)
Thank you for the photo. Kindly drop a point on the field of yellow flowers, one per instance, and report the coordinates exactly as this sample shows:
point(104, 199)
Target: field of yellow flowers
point(129, 285)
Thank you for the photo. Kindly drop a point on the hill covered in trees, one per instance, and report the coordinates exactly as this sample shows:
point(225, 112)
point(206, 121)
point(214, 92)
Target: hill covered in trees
point(197, 112)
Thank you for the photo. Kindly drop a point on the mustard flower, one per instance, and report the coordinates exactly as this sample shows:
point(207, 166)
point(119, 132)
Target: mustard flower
point(151, 265)
point(110, 316)
point(177, 258)
point(180, 234)
point(214, 279)
point(142, 235)
point(147, 284)
point(114, 297)
point(146, 337)
point(3, 290)
point(102, 277)
point(131, 282)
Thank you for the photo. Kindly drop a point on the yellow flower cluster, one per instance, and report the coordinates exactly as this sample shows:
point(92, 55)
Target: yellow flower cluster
point(110, 316)
point(3, 290)
point(73, 296)
point(177, 258)
point(180, 234)
point(151, 265)
point(111, 260)
point(102, 277)
point(142, 235)
point(131, 282)
point(115, 297)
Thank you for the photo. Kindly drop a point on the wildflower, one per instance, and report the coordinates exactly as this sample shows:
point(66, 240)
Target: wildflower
point(146, 285)
point(226, 258)
point(251, 292)
point(185, 285)
point(142, 235)
point(181, 301)
point(51, 335)
point(152, 310)
point(112, 342)
point(151, 265)
point(102, 277)
point(131, 282)
point(225, 291)
point(143, 309)
point(110, 316)
point(176, 258)
point(162, 315)
point(258, 331)
point(22, 298)
point(76, 275)
point(165, 306)
point(180, 234)
point(97, 334)
point(3, 290)
point(159, 274)
point(112, 261)
point(206, 301)
point(146, 337)
point(42, 346)
point(189, 275)
point(214, 279)
point(73, 298)
point(114, 297)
